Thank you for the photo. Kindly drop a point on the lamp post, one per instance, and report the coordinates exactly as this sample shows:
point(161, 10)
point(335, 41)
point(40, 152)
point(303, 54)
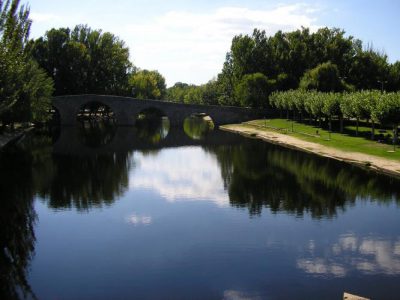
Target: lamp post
point(382, 82)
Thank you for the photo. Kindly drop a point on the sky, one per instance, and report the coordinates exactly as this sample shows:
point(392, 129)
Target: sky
point(187, 41)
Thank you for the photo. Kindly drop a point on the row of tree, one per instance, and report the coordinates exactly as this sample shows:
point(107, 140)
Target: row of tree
point(372, 106)
point(326, 60)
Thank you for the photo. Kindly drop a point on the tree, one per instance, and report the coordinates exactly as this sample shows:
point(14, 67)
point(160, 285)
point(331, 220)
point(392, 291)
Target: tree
point(367, 68)
point(254, 90)
point(177, 92)
point(388, 112)
point(83, 60)
point(148, 85)
point(394, 77)
point(25, 90)
point(324, 78)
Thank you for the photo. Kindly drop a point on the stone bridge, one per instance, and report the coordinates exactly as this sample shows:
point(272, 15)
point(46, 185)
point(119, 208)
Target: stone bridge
point(127, 109)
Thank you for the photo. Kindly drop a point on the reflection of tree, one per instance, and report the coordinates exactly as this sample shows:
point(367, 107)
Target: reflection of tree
point(262, 175)
point(151, 128)
point(79, 181)
point(197, 127)
point(17, 218)
point(97, 134)
point(85, 182)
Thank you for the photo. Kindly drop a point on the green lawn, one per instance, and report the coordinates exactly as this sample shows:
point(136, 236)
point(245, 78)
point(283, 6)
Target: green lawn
point(347, 141)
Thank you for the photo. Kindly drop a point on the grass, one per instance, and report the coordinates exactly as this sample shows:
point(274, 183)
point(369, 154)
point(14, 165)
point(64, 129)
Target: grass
point(348, 141)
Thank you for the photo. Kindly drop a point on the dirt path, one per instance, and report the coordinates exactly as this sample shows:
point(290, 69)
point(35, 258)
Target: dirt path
point(382, 165)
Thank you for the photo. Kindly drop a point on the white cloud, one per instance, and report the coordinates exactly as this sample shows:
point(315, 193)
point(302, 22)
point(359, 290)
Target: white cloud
point(184, 45)
point(189, 175)
point(42, 18)
point(191, 47)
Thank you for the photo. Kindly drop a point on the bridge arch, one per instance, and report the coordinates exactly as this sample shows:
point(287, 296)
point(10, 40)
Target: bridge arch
point(125, 110)
point(95, 111)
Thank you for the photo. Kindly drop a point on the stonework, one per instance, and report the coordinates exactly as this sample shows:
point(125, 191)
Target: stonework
point(126, 109)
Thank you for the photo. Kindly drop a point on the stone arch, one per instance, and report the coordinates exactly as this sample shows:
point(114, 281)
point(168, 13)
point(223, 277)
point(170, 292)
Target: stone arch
point(152, 124)
point(198, 125)
point(55, 118)
point(95, 111)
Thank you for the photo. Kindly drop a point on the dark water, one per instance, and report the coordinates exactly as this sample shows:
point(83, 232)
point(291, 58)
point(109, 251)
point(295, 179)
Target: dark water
point(118, 213)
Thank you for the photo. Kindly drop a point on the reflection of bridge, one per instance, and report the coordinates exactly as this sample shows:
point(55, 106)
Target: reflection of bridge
point(126, 109)
point(126, 139)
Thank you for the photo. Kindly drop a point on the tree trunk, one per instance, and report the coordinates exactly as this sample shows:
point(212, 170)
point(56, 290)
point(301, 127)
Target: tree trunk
point(395, 131)
point(287, 114)
point(341, 123)
point(357, 120)
point(373, 131)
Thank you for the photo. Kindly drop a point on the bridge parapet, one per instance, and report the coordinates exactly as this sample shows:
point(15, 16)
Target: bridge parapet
point(126, 109)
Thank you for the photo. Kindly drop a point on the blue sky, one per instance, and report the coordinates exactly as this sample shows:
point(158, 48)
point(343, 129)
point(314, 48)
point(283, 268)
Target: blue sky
point(187, 40)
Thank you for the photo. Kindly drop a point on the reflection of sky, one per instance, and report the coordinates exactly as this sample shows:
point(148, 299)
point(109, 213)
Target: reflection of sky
point(368, 255)
point(135, 219)
point(238, 295)
point(181, 174)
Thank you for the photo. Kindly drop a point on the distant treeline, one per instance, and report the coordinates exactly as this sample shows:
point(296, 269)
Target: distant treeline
point(258, 65)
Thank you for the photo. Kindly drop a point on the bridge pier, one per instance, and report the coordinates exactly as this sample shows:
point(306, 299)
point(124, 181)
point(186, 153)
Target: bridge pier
point(126, 110)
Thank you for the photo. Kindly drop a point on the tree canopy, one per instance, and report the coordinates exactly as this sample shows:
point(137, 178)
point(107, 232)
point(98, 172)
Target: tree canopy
point(147, 84)
point(25, 90)
point(327, 60)
point(82, 60)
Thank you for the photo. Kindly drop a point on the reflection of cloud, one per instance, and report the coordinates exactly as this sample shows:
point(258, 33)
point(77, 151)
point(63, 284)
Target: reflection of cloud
point(135, 219)
point(321, 267)
point(367, 255)
point(188, 175)
point(237, 295)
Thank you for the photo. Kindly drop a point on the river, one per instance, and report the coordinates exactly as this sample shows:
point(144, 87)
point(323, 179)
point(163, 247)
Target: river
point(101, 212)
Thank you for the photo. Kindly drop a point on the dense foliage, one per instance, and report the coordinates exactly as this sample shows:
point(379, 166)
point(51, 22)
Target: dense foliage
point(326, 60)
point(25, 90)
point(148, 85)
point(84, 61)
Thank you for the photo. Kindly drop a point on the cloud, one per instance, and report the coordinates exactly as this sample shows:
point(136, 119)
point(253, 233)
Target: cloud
point(189, 175)
point(191, 47)
point(184, 45)
point(42, 18)
point(367, 255)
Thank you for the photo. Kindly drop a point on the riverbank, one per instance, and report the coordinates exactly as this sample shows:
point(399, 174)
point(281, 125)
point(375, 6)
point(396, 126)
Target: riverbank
point(382, 165)
point(7, 138)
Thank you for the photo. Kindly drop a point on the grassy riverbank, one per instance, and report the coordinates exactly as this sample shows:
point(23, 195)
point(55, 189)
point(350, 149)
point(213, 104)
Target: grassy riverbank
point(354, 150)
point(346, 142)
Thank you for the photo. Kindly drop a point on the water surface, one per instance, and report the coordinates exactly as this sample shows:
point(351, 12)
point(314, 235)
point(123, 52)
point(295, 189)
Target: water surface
point(119, 213)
